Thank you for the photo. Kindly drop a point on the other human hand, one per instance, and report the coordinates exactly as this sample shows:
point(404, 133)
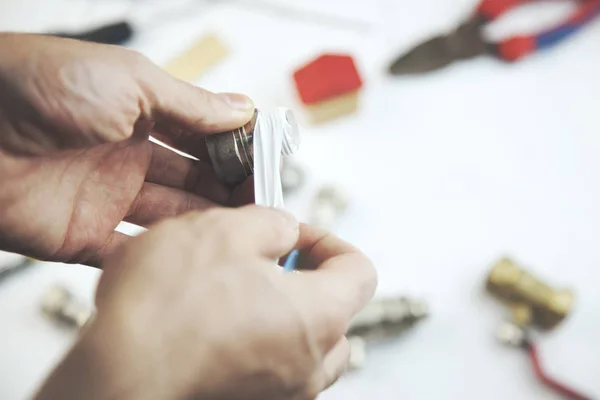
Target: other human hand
point(75, 158)
point(197, 308)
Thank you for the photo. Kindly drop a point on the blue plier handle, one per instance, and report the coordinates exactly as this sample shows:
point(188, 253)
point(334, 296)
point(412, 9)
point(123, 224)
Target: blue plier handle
point(517, 47)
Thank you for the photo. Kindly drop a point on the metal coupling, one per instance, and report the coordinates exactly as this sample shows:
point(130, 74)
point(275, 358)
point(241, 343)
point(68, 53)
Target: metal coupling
point(547, 307)
point(380, 320)
point(61, 305)
point(387, 317)
point(232, 153)
point(327, 207)
point(358, 352)
point(292, 177)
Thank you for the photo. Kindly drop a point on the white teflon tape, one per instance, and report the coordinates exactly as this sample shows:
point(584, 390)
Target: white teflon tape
point(276, 133)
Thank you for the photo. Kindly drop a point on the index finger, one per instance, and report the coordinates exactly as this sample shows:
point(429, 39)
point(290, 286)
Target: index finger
point(342, 282)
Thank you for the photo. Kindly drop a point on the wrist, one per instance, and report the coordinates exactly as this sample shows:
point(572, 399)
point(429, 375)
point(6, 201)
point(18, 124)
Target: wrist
point(91, 370)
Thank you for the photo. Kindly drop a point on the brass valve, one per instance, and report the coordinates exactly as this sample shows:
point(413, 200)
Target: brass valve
point(530, 299)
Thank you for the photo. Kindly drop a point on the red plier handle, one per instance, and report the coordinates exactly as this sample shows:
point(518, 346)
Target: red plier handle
point(517, 47)
point(492, 9)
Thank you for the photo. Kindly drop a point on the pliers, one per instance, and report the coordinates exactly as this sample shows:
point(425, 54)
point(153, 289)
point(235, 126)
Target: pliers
point(468, 41)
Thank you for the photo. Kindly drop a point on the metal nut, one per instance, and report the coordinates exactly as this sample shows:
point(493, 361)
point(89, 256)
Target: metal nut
point(328, 205)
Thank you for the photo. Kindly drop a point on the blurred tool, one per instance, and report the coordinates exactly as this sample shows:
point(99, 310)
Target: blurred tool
point(380, 320)
point(518, 336)
point(188, 65)
point(532, 300)
point(117, 33)
point(198, 58)
point(328, 87)
point(120, 32)
point(140, 16)
point(468, 40)
point(61, 305)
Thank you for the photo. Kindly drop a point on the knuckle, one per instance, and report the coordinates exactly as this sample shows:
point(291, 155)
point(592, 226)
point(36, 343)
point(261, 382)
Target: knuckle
point(136, 59)
point(213, 107)
point(219, 219)
point(168, 228)
point(216, 222)
point(336, 325)
point(205, 219)
point(278, 220)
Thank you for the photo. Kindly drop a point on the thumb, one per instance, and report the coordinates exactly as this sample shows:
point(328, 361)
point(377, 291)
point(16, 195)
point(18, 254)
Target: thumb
point(181, 105)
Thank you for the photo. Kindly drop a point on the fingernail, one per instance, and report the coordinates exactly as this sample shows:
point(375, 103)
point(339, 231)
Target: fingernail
point(238, 101)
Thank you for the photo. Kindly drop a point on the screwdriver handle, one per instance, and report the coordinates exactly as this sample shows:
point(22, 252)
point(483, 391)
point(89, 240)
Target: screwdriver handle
point(116, 33)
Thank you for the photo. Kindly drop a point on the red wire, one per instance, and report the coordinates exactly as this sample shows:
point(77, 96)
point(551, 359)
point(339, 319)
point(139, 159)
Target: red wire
point(548, 381)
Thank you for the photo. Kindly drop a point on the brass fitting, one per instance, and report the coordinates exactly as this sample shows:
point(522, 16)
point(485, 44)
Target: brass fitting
point(547, 307)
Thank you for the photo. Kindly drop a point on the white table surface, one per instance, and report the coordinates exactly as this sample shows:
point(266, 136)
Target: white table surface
point(445, 172)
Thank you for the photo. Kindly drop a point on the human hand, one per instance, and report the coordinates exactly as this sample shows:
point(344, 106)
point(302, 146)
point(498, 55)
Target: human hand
point(75, 158)
point(197, 308)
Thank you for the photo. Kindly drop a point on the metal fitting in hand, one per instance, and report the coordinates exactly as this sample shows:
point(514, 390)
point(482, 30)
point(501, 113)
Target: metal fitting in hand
point(61, 305)
point(232, 153)
point(514, 285)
